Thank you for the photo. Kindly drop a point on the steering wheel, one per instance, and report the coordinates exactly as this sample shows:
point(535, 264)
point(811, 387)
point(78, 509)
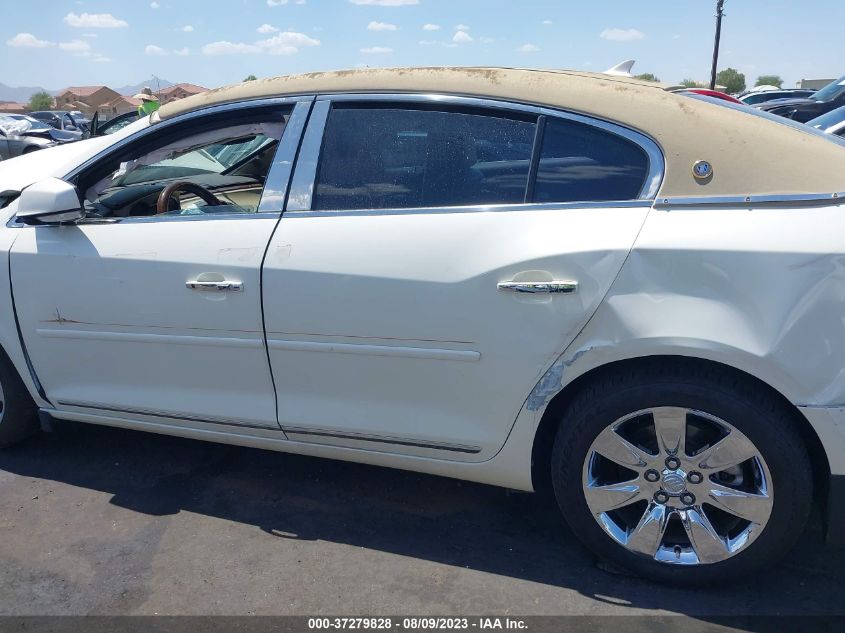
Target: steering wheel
point(164, 198)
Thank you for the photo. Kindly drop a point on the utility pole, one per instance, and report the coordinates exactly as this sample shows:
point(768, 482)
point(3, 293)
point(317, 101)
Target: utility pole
point(720, 4)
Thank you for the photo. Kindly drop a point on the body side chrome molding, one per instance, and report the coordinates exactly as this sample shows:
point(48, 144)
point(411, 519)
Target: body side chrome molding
point(382, 439)
point(292, 430)
point(158, 414)
point(751, 201)
point(368, 349)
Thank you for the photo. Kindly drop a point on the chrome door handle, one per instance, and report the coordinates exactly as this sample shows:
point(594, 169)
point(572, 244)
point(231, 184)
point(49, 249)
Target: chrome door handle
point(215, 286)
point(540, 287)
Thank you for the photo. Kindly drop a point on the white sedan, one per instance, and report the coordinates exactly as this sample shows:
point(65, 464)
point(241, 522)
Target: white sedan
point(532, 279)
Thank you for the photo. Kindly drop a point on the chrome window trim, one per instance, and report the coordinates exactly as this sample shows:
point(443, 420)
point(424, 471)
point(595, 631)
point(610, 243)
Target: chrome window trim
point(278, 177)
point(281, 169)
point(182, 118)
point(481, 208)
point(305, 175)
point(302, 184)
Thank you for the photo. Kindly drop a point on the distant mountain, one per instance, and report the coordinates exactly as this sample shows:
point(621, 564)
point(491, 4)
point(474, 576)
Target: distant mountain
point(20, 93)
point(23, 93)
point(136, 88)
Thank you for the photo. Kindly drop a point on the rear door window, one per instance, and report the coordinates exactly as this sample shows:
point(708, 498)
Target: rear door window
point(584, 163)
point(391, 158)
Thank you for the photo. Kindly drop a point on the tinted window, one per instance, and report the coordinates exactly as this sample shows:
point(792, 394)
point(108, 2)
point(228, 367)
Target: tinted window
point(581, 163)
point(385, 158)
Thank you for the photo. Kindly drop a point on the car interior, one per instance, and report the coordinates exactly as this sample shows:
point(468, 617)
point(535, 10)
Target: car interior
point(201, 171)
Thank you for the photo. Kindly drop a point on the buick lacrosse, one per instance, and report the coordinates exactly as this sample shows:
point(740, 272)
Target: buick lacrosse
point(534, 279)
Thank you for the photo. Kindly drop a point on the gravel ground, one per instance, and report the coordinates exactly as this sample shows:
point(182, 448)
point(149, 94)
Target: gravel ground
point(105, 521)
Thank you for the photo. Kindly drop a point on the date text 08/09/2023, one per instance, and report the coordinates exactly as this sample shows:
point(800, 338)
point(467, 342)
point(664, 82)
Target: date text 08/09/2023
point(414, 624)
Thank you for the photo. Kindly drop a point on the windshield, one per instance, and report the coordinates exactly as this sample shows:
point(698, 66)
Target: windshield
point(830, 91)
point(829, 118)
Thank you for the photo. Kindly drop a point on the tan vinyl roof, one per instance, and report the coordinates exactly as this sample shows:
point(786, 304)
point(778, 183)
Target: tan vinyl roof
point(750, 155)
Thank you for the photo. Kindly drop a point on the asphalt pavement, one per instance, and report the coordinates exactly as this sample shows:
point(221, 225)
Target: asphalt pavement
point(96, 520)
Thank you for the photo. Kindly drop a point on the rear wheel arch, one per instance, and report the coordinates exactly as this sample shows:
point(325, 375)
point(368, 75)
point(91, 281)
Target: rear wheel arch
point(552, 417)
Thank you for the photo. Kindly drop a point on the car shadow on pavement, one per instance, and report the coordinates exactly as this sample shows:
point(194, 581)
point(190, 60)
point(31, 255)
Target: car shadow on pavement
point(430, 518)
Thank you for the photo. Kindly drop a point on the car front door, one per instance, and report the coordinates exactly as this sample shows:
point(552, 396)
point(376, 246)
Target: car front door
point(133, 314)
point(435, 256)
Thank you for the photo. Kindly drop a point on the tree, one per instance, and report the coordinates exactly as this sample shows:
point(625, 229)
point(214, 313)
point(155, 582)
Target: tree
point(689, 83)
point(647, 77)
point(731, 79)
point(40, 101)
point(251, 78)
point(769, 80)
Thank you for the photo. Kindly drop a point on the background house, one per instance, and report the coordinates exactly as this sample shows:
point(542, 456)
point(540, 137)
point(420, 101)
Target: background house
point(179, 91)
point(86, 99)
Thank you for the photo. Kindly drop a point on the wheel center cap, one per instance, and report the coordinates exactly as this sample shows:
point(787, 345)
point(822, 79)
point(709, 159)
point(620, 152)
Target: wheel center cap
point(673, 483)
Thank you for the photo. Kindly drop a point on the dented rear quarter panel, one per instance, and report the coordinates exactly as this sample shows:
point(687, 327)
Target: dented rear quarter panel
point(758, 289)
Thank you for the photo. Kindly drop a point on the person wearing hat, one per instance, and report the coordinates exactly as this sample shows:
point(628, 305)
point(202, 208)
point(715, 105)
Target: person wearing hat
point(149, 102)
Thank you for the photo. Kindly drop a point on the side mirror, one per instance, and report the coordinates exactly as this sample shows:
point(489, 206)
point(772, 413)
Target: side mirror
point(50, 201)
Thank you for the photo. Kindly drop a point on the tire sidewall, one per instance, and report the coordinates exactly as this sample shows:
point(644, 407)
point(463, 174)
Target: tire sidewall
point(775, 440)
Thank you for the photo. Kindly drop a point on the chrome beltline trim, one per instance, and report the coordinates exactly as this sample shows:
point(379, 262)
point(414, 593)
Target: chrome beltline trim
point(161, 414)
point(751, 201)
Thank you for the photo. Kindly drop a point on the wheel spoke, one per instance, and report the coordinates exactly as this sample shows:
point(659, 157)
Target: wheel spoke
point(751, 507)
point(614, 447)
point(612, 496)
point(645, 538)
point(670, 426)
point(709, 547)
point(731, 450)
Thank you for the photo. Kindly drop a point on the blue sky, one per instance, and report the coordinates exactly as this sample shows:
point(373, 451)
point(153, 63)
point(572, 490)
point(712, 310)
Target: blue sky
point(56, 43)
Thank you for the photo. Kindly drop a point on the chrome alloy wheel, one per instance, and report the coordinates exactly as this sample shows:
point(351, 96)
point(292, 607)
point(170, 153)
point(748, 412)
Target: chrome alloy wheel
point(677, 485)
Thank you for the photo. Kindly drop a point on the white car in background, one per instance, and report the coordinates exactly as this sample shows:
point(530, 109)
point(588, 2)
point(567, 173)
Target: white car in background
point(532, 279)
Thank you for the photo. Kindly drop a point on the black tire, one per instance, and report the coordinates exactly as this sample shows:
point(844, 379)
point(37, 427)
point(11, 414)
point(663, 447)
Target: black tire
point(19, 415)
point(732, 397)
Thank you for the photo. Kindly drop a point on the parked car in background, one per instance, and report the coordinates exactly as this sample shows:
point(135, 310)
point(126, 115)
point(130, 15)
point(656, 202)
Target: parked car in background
point(828, 98)
point(21, 134)
point(62, 120)
point(102, 128)
point(832, 122)
point(532, 279)
point(716, 94)
point(756, 98)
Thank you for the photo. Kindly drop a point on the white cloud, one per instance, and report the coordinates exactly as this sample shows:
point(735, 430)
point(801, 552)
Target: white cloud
point(182, 52)
point(27, 40)
point(461, 37)
point(188, 28)
point(100, 59)
point(279, 3)
point(267, 28)
point(152, 49)
point(154, 5)
point(229, 48)
point(381, 26)
point(428, 42)
point(462, 27)
point(75, 46)
point(622, 35)
point(89, 35)
point(287, 43)
point(431, 27)
point(377, 50)
point(384, 3)
point(95, 21)
point(547, 22)
point(528, 48)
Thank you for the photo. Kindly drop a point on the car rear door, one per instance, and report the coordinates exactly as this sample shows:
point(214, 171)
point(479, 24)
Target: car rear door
point(435, 256)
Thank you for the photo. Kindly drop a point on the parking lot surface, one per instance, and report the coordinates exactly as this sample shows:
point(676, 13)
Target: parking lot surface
point(105, 521)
